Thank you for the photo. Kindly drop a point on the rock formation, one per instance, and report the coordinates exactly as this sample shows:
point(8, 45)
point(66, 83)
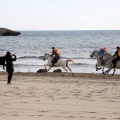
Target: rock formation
point(42, 70)
point(57, 70)
point(7, 32)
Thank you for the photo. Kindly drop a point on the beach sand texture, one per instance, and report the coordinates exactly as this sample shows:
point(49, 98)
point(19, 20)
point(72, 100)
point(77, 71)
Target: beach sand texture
point(36, 96)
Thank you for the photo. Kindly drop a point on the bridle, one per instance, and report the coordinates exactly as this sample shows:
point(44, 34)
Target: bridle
point(46, 56)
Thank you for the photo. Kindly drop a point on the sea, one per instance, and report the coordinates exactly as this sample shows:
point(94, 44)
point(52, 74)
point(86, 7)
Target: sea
point(31, 46)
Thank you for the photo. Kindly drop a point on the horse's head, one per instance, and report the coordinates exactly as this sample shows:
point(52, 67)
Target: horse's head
point(94, 53)
point(46, 56)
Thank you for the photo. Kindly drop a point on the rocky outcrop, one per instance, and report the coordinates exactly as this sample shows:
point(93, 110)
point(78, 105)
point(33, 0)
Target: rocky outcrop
point(7, 32)
point(57, 70)
point(42, 70)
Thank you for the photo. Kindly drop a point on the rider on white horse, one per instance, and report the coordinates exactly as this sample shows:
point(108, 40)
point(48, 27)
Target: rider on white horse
point(61, 62)
point(55, 52)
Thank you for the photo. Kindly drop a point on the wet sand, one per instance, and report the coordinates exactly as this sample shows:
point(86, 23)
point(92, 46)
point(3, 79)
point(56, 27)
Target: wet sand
point(55, 96)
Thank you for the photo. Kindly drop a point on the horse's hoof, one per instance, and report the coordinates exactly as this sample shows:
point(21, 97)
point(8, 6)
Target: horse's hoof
point(73, 74)
point(105, 72)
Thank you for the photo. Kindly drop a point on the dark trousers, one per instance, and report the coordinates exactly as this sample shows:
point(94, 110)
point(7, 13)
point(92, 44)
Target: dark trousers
point(10, 76)
point(55, 58)
point(115, 60)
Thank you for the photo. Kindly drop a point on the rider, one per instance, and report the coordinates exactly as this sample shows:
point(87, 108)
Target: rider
point(117, 56)
point(55, 52)
point(101, 52)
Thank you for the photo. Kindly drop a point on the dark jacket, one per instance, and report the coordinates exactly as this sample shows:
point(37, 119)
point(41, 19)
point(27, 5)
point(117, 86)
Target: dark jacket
point(116, 54)
point(9, 63)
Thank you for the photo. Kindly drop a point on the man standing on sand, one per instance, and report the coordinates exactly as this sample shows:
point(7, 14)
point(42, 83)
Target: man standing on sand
point(9, 65)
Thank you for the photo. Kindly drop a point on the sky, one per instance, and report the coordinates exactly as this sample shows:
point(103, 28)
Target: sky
point(60, 14)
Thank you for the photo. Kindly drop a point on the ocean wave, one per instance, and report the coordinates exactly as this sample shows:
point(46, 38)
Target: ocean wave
point(3, 50)
point(31, 57)
point(26, 65)
point(75, 58)
point(81, 58)
point(36, 57)
point(40, 57)
point(83, 64)
point(62, 57)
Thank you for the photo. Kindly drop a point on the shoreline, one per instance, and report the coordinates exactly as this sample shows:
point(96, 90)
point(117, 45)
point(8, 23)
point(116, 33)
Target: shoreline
point(70, 75)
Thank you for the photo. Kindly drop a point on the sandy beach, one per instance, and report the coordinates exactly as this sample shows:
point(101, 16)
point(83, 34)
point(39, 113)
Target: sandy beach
point(55, 96)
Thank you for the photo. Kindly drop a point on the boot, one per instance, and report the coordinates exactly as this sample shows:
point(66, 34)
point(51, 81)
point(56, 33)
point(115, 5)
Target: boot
point(102, 62)
point(52, 63)
point(114, 65)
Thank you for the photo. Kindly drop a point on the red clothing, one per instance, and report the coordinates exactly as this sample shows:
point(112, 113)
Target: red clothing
point(56, 51)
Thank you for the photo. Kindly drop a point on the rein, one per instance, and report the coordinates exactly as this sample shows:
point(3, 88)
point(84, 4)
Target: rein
point(47, 55)
point(106, 59)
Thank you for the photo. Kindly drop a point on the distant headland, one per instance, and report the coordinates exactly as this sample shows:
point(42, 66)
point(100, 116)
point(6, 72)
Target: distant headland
point(8, 32)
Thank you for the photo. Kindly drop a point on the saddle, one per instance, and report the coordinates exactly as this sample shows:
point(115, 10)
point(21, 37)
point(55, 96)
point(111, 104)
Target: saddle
point(102, 61)
point(55, 60)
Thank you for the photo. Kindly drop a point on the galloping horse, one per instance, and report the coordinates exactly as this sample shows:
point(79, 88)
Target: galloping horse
point(96, 54)
point(107, 59)
point(61, 62)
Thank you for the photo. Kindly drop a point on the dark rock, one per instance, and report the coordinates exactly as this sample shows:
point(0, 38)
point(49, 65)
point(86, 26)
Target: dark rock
point(42, 70)
point(7, 32)
point(57, 70)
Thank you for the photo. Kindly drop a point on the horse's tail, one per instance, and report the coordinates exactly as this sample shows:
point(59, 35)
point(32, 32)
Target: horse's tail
point(70, 60)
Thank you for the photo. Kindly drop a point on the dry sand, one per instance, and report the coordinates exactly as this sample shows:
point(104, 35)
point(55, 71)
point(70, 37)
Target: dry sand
point(36, 96)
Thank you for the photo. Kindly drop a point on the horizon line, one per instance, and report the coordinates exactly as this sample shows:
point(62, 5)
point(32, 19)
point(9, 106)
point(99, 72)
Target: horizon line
point(72, 30)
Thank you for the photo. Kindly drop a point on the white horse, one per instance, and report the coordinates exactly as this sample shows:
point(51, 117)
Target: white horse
point(61, 62)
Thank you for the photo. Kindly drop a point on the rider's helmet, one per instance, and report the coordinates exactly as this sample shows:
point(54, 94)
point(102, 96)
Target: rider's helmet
point(118, 47)
point(8, 53)
point(105, 49)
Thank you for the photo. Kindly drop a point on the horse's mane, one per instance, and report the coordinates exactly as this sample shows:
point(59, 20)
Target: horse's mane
point(107, 53)
point(48, 54)
point(95, 51)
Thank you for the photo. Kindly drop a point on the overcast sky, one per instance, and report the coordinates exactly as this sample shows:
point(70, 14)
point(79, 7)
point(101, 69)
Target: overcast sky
point(60, 14)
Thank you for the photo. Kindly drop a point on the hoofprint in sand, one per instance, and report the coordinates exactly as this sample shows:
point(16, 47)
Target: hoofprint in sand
point(36, 96)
